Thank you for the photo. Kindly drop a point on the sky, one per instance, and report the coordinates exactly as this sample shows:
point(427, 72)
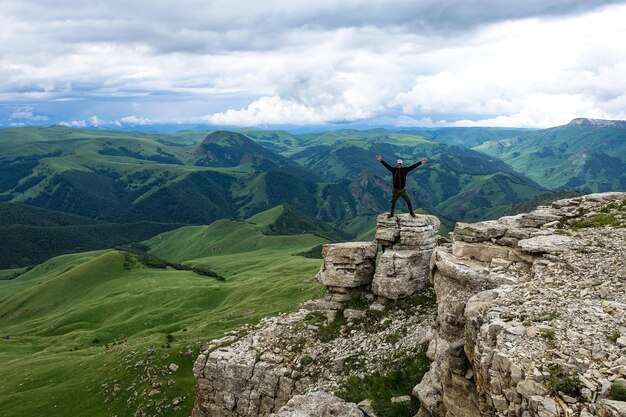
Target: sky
point(404, 63)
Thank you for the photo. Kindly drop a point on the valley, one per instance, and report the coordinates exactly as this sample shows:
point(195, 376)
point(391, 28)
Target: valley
point(91, 326)
point(89, 322)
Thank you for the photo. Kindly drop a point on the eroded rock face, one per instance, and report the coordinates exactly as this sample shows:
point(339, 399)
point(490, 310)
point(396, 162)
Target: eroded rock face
point(257, 370)
point(524, 301)
point(272, 367)
point(318, 404)
point(408, 243)
point(347, 267)
point(403, 232)
point(399, 274)
point(521, 301)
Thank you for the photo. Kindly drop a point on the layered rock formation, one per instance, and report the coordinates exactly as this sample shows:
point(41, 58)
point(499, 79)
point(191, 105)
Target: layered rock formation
point(530, 321)
point(530, 308)
point(347, 267)
point(408, 244)
point(256, 371)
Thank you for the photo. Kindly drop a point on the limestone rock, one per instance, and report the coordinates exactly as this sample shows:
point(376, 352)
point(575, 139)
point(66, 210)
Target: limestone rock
point(403, 267)
point(387, 229)
point(320, 305)
point(400, 273)
point(366, 407)
point(545, 244)
point(403, 232)
point(610, 408)
point(348, 265)
point(318, 404)
point(518, 299)
point(403, 399)
point(481, 231)
point(484, 252)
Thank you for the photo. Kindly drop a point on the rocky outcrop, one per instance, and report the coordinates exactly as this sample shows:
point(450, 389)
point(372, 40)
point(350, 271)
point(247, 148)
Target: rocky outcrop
point(530, 321)
point(408, 244)
point(347, 267)
point(280, 365)
point(257, 370)
point(530, 308)
point(597, 122)
point(318, 404)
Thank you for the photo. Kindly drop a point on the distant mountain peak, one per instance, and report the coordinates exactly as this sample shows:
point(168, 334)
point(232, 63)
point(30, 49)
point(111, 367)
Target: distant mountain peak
point(583, 121)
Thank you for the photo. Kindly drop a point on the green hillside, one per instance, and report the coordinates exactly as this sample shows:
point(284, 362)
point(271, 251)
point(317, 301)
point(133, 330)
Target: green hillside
point(31, 235)
point(456, 183)
point(468, 136)
point(332, 176)
point(584, 155)
point(97, 331)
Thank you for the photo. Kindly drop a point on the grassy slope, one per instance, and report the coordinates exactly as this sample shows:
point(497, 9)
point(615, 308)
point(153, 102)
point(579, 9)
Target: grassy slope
point(567, 156)
point(131, 176)
point(54, 312)
point(457, 183)
point(31, 234)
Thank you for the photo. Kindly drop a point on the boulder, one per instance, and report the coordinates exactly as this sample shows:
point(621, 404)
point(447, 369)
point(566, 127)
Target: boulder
point(610, 408)
point(545, 244)
point(403, 232)
point(401, 273)
point(318, 404)
point(487, 230)
point(348, 265)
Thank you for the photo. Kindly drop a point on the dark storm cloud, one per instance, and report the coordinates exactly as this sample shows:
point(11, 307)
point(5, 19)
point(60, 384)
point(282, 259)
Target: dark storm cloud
point(217, 26)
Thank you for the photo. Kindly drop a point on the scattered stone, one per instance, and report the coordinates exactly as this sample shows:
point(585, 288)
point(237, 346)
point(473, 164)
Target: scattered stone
point(404, 399)
point(318, 404)
point(366, 407)
point(351, 314)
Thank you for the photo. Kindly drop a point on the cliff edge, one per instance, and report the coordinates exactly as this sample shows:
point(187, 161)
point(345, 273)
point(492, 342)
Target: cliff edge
point(522, 316)
point(531, 314)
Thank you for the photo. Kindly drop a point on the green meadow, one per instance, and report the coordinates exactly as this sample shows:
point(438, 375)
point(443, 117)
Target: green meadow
point(93, 334)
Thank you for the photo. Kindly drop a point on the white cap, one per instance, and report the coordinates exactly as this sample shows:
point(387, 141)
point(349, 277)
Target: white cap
point(399, 161)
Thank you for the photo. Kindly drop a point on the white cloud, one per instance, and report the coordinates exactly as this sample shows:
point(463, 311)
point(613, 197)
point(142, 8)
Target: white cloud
point(134, 120)
point(274, 110)
point(534, 63)
point(75, 123)
point(26, 113)
point(93, 121)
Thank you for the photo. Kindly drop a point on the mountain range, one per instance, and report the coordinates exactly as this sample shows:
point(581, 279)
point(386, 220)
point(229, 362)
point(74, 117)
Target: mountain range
point(140, 216)
point(332, 176)
point(586, 154)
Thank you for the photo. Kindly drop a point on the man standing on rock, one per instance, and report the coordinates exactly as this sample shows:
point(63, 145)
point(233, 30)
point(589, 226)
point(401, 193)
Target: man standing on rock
point(399, 173)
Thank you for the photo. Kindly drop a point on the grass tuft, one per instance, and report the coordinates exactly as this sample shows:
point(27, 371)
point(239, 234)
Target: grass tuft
point(400, 375)
point(331, 330)
point(618, 392)
point(562, 381)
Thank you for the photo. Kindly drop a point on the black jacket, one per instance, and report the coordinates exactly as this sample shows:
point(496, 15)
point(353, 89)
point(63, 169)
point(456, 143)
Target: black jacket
point(399, 174)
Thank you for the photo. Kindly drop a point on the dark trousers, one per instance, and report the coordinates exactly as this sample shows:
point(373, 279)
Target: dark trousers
point(396, 194)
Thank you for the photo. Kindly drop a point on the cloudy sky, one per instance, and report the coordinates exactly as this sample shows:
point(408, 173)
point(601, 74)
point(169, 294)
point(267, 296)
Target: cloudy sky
point(528, 63)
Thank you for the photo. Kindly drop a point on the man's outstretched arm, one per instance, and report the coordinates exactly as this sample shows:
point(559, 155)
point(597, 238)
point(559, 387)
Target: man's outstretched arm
point(380, 159)
point(415, 165)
